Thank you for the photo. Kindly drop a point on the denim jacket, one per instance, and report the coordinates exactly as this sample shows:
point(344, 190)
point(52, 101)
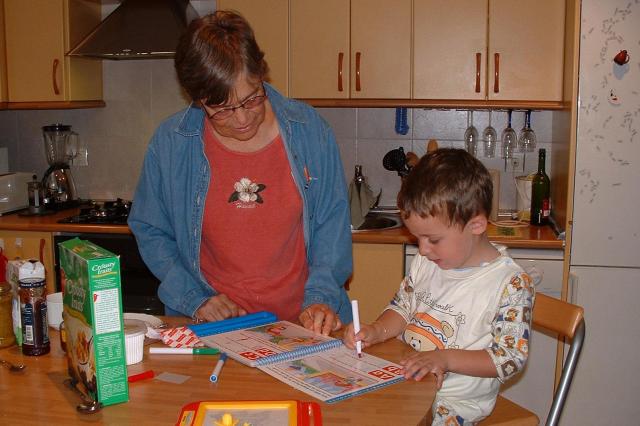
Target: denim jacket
point(166, 215)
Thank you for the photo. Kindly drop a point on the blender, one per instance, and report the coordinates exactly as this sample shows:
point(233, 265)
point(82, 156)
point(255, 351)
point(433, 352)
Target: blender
point(60, 144)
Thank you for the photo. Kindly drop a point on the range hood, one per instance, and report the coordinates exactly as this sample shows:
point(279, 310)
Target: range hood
point(138, 29)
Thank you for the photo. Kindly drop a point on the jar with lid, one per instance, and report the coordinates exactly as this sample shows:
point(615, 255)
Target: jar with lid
point(33, 307)
point(7, 338)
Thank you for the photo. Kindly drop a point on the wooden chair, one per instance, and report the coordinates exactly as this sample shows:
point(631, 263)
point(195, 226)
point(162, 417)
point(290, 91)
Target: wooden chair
point(566, 320)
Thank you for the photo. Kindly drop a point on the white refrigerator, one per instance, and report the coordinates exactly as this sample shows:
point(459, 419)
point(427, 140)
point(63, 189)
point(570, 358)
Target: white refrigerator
point(605, 249)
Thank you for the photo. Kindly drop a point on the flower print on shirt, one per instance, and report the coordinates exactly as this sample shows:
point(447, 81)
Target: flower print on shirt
point(246, 193)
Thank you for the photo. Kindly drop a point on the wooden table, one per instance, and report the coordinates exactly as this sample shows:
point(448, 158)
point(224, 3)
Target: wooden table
point(38, 395)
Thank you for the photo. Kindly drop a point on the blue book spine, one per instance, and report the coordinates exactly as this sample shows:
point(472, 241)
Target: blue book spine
point(298, 353)
point(231, 324)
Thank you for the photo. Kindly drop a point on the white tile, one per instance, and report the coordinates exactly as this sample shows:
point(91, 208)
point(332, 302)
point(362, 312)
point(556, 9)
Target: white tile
point(370, 155)
point(343, 121)
point(380, 123)
point(347, 149)
point(167, 96)
point(439, 124)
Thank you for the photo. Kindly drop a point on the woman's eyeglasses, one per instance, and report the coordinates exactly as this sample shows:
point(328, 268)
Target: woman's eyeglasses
point(250, 103)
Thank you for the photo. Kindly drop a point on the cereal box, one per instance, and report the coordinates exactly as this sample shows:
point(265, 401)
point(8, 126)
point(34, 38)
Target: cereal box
point(93, 322)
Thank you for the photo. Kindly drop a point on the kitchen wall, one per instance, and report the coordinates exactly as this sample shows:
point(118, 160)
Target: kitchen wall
point(365, 135)
point(139, 94)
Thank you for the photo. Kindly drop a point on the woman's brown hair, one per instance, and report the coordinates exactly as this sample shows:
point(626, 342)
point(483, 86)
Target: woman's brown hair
point(448, 183)
point(214, 50)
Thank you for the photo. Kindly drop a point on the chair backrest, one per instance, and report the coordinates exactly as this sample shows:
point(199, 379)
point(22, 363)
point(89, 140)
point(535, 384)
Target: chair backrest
point(566, 320)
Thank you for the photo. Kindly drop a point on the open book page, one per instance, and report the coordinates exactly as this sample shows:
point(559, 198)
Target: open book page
point(269, 343)
point(336, 374)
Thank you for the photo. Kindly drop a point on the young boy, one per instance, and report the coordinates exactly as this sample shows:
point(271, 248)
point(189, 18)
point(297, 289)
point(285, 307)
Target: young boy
point(465, 306)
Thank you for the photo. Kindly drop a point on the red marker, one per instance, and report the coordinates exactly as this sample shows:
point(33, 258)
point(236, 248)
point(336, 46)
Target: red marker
point(141, 376)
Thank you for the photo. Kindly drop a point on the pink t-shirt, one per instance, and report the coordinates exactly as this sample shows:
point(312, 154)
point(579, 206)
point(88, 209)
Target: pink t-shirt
point(252, 245)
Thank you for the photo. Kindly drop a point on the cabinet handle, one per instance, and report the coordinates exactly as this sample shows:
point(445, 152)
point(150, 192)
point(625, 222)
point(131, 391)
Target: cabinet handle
point(56, 90)
point(358, 71)
point(496, 76)
point(340, 60)
point(478, 59)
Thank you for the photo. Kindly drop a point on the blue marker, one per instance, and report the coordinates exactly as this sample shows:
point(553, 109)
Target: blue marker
point(216, 371)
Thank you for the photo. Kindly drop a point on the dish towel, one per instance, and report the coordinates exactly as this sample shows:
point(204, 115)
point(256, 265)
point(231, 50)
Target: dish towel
point(361, 200)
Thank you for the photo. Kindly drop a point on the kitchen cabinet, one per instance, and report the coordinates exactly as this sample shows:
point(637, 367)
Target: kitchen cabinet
point(493, 50)
point(450, 45)
point(31, 245)
point(3, 60)
point(350, 49)
point(38, 34)
point(377, 273)
point(270, 22)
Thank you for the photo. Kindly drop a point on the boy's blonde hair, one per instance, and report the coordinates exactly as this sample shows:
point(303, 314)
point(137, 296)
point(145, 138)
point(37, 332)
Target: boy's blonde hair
point(448, 183)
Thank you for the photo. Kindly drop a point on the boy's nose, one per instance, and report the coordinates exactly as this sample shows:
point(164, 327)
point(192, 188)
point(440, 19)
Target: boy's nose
point(424, 249)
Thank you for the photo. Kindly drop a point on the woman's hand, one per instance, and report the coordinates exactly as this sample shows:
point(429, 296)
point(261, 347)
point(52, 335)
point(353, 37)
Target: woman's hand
point(320, 318)
point(418, 365)
point(217, 308)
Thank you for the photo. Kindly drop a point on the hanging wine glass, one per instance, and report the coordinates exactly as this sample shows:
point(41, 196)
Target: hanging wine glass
point(471, 135)
point(509, 141)
point(527, 141)
point(489, 138)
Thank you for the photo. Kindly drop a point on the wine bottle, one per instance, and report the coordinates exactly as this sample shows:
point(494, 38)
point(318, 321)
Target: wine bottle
point(540, 190)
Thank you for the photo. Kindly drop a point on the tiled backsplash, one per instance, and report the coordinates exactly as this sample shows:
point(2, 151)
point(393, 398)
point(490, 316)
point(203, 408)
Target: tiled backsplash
point(139, 94)
point(366, 135)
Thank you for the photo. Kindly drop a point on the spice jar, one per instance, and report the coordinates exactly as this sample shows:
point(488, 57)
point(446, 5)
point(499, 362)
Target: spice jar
point(7, 338)
point(33, 307)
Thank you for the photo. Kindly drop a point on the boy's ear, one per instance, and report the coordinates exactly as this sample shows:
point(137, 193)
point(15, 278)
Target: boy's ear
point(478, 224)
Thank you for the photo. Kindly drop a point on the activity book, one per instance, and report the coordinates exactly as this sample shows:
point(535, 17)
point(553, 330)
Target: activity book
point(318, 365)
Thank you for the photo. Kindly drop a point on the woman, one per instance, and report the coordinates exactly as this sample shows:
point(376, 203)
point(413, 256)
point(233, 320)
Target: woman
point(241, 205)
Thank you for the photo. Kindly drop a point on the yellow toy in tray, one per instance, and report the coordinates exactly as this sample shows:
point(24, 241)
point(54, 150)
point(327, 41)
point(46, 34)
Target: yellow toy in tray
point(251, 413)
point(92, 313)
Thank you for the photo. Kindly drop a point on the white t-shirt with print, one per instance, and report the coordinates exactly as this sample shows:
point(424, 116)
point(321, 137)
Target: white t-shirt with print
point(486, 307)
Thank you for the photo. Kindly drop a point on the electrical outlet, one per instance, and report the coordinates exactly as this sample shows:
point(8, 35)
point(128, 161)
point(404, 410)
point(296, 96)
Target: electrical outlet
point(515, 163)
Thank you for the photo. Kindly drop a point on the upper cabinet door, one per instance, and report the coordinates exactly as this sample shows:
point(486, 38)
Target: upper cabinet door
point(319, 49)
point(526, 49)
point(38, 34)
point(35, 50)
point(450, 49)
point(381, 49)
point(3, 57)
point(270, 22)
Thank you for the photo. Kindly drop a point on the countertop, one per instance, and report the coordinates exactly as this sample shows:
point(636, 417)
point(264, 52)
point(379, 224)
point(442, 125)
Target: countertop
point(49, 223)
point(543, 237)
point(526, 237)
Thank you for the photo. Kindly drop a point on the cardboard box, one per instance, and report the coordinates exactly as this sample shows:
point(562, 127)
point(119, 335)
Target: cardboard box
point(92, 315)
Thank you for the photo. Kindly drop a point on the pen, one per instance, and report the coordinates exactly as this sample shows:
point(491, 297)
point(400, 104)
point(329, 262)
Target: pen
point(216, 371)
point(183, 351)
point(356, 326)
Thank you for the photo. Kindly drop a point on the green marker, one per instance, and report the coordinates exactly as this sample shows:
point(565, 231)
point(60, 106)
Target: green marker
point(183, 351)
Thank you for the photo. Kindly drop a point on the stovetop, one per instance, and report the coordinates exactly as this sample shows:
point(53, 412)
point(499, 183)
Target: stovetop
point(112, 212)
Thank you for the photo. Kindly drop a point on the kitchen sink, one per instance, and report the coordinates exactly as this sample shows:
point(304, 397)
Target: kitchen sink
point(380, 221)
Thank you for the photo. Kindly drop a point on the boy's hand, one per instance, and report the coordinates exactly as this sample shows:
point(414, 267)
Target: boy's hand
point(418, 365)
point(368, 336)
